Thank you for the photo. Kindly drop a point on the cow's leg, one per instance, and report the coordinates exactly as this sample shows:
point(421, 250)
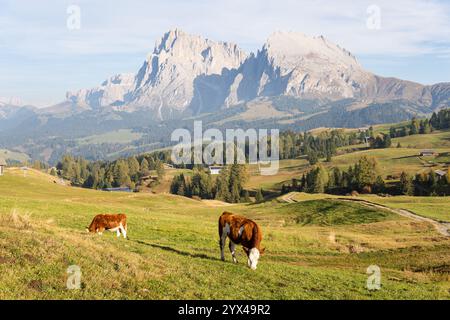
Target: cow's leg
point(232, 247)
point(223, 238)
point(123, 231)
point(222, 247)
point(118, 232)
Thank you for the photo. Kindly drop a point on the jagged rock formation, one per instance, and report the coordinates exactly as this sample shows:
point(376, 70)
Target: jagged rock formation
point(187, 74)
point(166, 80)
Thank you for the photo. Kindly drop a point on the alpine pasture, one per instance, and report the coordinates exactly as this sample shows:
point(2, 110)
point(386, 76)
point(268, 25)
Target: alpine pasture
point(316, 248)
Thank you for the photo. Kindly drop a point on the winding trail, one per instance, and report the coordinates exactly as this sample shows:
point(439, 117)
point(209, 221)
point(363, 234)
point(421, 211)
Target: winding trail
point(442, 227)
point(289, 197)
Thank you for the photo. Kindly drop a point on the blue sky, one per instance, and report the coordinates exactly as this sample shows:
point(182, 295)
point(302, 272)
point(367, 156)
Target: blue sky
point(41, 59)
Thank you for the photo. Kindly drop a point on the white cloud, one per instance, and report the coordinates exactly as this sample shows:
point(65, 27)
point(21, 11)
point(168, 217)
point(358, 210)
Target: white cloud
point(133, 26)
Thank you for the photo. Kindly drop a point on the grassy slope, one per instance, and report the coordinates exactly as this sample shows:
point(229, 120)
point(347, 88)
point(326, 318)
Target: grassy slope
point(392, 160)
point(118, 136)
point(173, 251)
point(287, 170)
point(13, 155)
point(431, 207)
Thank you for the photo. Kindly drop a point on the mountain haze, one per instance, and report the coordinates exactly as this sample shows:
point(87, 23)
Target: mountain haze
point(294, 81)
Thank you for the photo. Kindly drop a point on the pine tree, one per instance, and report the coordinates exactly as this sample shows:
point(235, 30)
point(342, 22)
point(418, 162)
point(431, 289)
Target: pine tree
point(121, 174)
point(406, 184)
point(259, 196)
point(365, 172)
point(159, 167)
point(387, 141)
point(235, 196)
point(392, 132)
point(414, 127)
point(181, 189)
point(144, 167)
point(246, 196)
point(320, 179)
point(426, 127)
point(313, 158)
point(222, 185)
point(379, 185)
point(134, 167)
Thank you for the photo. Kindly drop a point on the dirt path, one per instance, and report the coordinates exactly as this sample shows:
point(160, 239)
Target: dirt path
point(442, 227)
point(288, 197)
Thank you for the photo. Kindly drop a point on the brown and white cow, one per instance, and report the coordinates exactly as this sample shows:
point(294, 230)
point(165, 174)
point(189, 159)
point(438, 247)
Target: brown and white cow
point(243, 231)
point(111, 222)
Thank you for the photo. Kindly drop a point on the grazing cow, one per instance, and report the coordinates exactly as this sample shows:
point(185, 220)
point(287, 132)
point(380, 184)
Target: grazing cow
point(111, 222)
point(242, 231)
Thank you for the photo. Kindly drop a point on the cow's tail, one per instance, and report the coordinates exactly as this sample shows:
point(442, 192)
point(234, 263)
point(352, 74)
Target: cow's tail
point(220, 230)
point(257, 236)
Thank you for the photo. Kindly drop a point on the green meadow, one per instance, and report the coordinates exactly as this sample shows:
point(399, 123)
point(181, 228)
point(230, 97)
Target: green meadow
point(315, 249)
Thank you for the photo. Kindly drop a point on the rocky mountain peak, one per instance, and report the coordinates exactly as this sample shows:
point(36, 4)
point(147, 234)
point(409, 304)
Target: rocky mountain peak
point(293, 49)
point(188, 74)
point(166, 79)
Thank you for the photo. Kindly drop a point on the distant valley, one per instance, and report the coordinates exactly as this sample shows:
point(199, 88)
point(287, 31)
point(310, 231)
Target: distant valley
point(294, 82)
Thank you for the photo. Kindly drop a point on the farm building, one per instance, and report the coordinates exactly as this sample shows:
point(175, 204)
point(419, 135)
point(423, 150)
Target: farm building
point(428, 153)
point(441, 174)
point(2, 166)
point(215, 169)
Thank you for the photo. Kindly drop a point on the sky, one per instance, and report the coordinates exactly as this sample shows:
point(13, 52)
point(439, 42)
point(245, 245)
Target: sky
point(49, 47)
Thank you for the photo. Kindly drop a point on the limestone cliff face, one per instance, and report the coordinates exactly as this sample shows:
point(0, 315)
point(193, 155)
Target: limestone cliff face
point(187, 74)
point(166, 80)
point(110, 93)
point(297, 65)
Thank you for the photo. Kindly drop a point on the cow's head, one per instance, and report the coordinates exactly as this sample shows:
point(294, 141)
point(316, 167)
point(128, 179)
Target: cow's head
point(253, 255)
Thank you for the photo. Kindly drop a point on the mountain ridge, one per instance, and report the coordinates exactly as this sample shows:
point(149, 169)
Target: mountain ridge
point(187, 74)
point(294, 82)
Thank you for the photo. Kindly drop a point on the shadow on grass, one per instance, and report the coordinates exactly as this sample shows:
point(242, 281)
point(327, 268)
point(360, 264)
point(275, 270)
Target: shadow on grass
point(183, 253)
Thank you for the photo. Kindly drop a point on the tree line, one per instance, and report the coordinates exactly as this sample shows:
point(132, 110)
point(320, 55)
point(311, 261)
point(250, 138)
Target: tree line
point(427, 183)
point(323, 145)
point(227, 186)
point(126, 172)
point(438, 121)
point(363, 177)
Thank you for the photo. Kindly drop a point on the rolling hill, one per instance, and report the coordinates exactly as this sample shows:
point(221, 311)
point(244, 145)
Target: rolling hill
point(392, 161)
point(315, 249)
